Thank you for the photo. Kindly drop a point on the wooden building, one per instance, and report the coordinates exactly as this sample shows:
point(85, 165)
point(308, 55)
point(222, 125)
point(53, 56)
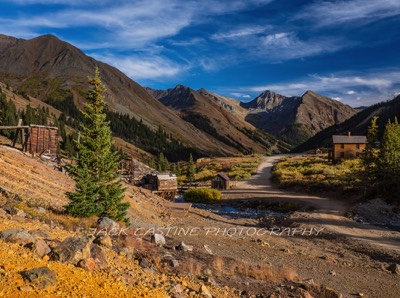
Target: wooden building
point(220, 181)
point(165, 185)
point(36, 139)
point(347, 147)
point(41, 139)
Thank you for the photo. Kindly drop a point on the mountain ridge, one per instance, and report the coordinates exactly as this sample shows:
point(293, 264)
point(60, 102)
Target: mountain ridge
point(295, 118)
point(46, 67)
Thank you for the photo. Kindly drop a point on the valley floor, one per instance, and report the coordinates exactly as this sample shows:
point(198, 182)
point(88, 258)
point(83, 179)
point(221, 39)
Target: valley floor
point(284, 254)
point(348, 256)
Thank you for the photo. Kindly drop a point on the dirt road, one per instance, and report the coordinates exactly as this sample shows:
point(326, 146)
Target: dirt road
point(329, 213)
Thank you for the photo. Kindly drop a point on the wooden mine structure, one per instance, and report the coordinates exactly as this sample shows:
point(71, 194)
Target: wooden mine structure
point(165, 185)
point(126, 169)
point(35, 139)
point(220, 181)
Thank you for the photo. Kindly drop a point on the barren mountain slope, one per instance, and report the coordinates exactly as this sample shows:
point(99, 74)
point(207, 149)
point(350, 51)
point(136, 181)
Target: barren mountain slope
point(218, 116)
point(48, 68)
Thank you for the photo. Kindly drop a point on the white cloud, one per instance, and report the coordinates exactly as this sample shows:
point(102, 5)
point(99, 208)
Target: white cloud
point(337, 98)
point(142, 67)
point(372, 87)
point(336, 12)
point(236, 33)
point(369, 81)
point(127, 24)
point(240, 95)
point(287, 46)
point(282, 40)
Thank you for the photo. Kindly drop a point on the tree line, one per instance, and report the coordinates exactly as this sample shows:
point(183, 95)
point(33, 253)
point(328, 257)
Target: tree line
point(382, 160)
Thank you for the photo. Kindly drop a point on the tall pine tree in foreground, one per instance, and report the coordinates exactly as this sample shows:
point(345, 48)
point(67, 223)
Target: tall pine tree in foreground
point(98, 189)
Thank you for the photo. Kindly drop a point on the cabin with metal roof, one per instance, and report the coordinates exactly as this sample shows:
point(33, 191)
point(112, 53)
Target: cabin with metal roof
point(347, 146)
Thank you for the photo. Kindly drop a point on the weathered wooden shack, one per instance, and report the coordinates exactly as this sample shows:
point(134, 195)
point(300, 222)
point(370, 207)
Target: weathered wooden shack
point(36, 139)
point(347, 146)
point(220, 181)
point(41, 139)
point(165, 184)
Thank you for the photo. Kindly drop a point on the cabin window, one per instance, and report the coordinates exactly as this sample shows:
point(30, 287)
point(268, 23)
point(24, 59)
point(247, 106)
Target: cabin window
point(341, 154)
point(358, 146)
point(342, 146)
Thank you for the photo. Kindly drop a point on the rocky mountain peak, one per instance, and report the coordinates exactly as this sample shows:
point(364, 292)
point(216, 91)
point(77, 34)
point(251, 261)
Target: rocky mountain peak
point(265, 101)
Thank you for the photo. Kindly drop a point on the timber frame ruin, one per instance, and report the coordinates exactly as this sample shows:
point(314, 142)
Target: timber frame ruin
point(35, 139)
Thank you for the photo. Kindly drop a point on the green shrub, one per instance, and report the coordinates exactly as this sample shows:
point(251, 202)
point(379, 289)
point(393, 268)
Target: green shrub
point(202, 195)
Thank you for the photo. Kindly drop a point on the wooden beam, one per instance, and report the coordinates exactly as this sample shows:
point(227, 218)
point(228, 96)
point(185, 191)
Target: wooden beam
point(17, 133)
point(12, 127)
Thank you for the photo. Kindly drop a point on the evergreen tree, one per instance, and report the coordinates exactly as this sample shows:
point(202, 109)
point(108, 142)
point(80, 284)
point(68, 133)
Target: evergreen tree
point(191, 169)
point(162, 163)
point(371, 154)
point(389, 160)
point(98, 188)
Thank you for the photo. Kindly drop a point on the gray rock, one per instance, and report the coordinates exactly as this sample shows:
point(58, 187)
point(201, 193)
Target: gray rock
point(41, 277)
point(174, 263)
point(40, 248)
point(394, 268)
point(98, 255)
point(158, 239)
point(19, 236)
point(40, 209)
point(106, 224)
point(184, 247)
point(211, 281)
point(40, 234)
point(103, 240)
point(207, 272)
point(7, 233)
point(72, 250)
point(208, 250)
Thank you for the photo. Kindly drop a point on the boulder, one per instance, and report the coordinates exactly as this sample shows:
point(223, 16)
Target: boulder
point(103, 240)
point(40, 248)
point(41, 277)
point(184, 247)
point(158, 239)
point(40, 234)
point(19, 236)
point(107, 225)
point(89, 264)
point(72, 250)
point(174, 263)
point(6, 233)
point(97, 254)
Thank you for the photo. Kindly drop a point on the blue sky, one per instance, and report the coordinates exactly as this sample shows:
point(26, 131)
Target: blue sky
point(347, 50)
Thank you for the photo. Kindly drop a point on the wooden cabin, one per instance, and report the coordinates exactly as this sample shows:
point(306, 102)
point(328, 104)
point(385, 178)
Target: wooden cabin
point(347, 146)
point(165, 185)
point(220, 181)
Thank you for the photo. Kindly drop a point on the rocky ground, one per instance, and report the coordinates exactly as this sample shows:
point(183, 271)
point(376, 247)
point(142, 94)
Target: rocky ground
point(306, 248)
